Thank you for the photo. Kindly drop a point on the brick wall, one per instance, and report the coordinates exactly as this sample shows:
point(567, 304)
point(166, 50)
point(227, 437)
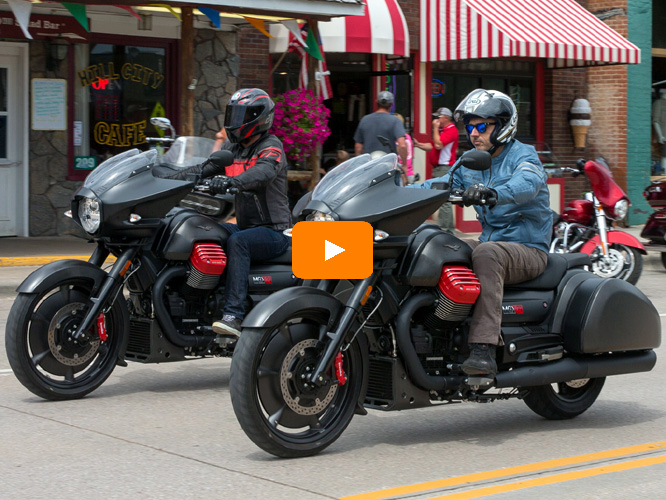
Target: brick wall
point(253, 51)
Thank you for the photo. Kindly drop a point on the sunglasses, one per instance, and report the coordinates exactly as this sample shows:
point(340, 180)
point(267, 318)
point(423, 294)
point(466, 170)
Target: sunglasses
point(481, 127)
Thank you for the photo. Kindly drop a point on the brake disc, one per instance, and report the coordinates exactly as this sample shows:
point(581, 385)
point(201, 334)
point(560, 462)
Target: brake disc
point(64, 324)
point(578, 383)
point(296, 378)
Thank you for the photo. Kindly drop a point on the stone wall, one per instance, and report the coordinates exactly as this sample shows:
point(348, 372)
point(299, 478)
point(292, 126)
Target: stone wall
point(217, 67)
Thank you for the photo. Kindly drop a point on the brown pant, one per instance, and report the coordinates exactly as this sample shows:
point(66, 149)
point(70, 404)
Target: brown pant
point(497, 263)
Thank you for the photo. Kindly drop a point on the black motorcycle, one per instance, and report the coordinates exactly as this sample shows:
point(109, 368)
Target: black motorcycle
point(73, 321)
point(310, 358)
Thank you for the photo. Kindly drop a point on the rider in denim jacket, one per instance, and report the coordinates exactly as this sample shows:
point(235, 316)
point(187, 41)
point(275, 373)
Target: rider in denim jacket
point(516, 217)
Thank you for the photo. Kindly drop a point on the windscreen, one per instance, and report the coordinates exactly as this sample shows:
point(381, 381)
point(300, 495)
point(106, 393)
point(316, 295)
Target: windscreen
point(118, 168)
point(351, 177)
point(187, 151)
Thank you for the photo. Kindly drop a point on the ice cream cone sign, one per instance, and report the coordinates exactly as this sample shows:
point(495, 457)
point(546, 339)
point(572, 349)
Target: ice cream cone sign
point(579, 119)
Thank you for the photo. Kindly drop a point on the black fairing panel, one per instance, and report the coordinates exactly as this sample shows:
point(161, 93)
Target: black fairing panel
point(428, 250)
point(186, 228)
point(270, 277)
point(610, 315)
point(394, 209)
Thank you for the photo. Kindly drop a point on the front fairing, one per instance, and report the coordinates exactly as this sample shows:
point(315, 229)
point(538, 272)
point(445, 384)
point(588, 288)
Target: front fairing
point(125, 185)
point(365, 190)
point(604, 186)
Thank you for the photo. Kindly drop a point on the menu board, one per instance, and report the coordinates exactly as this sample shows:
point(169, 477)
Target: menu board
point(49, 104)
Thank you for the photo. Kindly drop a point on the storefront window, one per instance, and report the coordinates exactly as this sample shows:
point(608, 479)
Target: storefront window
point(118, 89)
point(452, 81)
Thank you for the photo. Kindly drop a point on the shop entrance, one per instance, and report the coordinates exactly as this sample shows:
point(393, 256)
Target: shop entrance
point(13, 134)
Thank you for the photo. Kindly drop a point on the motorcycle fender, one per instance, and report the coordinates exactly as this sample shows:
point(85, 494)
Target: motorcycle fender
point(619, 237)
point(279, 306)
point(49, 275)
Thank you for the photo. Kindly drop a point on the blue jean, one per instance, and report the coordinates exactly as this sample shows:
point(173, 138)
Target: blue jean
point(243, 247)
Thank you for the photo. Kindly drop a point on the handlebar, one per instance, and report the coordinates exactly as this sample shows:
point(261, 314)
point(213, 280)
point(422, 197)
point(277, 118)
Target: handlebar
point(155, 140)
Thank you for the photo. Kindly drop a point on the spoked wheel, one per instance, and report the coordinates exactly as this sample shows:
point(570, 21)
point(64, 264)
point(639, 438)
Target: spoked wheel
point(622, 262)
point(276, 405)
point(564, 400)
point(42, 353)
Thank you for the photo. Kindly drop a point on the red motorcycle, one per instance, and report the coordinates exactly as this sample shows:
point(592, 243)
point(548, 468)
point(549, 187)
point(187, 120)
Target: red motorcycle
point(655, 227)
point(586, 226)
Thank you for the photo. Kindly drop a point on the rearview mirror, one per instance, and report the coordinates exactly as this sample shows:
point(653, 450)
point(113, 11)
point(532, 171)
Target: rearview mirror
point(222, 158)
point(476, 160)
point(161, 122)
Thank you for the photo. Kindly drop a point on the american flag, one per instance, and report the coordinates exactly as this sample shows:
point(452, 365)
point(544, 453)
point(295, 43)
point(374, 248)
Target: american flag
point(323, 83)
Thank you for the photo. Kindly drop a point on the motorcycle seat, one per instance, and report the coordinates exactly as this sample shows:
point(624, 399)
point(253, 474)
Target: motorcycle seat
point(284, 258)
point(558, 264)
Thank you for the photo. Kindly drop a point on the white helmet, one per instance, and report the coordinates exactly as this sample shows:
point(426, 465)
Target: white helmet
point(491, 104)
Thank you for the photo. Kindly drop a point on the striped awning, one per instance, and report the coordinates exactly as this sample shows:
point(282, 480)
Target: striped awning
point(381, 30)
point(560, 31)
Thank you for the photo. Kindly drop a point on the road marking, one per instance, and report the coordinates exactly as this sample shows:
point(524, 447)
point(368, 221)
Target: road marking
point(509, 471)
point(5, 372)
point(556, 478)
point(41, 260)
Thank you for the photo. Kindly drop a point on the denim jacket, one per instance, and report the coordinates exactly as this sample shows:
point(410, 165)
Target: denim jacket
point(522, 214)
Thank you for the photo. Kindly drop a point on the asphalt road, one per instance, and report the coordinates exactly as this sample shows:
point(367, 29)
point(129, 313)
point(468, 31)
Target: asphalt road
point(168, 431)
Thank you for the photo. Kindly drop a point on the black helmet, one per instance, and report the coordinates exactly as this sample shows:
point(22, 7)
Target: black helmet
point(492, 104)
point(385, 99)
point(249, 112)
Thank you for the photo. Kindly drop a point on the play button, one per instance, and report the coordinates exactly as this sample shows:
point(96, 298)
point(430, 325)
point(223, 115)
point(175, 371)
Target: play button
point(331, 250)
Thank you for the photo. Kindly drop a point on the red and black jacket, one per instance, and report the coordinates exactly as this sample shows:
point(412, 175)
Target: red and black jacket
point(261, 173)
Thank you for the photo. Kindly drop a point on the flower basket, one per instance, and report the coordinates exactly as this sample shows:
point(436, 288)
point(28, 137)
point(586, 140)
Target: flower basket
point(301, 123)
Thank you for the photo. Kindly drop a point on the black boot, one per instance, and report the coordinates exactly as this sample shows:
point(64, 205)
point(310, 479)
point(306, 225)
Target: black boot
point(481, 360)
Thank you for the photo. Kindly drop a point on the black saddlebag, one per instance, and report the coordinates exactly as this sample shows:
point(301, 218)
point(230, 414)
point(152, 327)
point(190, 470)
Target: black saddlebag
point(603, 315)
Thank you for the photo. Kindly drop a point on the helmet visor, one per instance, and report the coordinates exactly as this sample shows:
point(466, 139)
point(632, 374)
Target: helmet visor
point(236, 115)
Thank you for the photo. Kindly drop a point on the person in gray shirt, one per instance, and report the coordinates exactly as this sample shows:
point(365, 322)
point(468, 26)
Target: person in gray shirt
point(381, 123)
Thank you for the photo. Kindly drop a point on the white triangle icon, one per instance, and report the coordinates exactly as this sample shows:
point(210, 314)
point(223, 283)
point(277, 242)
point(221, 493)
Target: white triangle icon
point(331, 250)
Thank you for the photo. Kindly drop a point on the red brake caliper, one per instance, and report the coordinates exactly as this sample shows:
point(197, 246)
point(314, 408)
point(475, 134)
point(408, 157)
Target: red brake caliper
point(101, 328)
point(339, 371)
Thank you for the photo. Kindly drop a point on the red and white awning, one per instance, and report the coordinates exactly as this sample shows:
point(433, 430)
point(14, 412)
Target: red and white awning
point(559, 30)
point(381, 30)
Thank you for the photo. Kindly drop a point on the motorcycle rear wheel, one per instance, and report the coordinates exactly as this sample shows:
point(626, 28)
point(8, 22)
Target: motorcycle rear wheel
point(42, 355)
point(564, 400)
point(274, 404)
point(625, 263)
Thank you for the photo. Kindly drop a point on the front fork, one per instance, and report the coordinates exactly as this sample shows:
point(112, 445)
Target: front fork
point(112, 283)
point(601, 226)
point(337, 337)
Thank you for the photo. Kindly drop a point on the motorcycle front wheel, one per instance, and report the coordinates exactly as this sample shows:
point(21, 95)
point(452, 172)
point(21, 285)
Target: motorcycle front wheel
point(276, 406)
point(564, 400)
point(41, 352)
point(622, 262)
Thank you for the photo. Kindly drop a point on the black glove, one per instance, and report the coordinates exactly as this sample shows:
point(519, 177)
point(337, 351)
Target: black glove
point(478, 194)
point(223, 184)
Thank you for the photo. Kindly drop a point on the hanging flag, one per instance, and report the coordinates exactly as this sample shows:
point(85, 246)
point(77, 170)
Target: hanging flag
point(312, 46)
point(21, 12)
point(295, 30)
point(78, 11)
point(169, 8)
point(322, 79)
point(130, 10)
point(211, 14)
point(259, 24)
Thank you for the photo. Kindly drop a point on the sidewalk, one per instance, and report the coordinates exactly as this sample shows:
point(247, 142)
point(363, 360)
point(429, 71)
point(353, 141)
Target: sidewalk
point(37, 251)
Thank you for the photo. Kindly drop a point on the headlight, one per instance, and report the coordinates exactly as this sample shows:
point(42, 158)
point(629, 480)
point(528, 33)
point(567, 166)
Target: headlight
point(621, 209)
point(90, 214)
point(319, 216)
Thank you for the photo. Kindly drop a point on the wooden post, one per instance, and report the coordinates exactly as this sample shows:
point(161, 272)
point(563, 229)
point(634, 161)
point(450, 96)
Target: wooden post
point(314, 159)
point(186, 72)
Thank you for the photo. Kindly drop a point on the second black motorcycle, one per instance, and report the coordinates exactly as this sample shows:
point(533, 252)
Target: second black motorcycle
point(73, 321)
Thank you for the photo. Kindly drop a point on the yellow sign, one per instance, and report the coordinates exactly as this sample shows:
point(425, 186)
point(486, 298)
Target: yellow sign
point(116, 134)
point(128, 71)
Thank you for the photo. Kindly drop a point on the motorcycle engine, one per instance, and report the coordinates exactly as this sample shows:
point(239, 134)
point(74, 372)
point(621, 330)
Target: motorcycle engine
point(457, 291)
point(207, 263)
